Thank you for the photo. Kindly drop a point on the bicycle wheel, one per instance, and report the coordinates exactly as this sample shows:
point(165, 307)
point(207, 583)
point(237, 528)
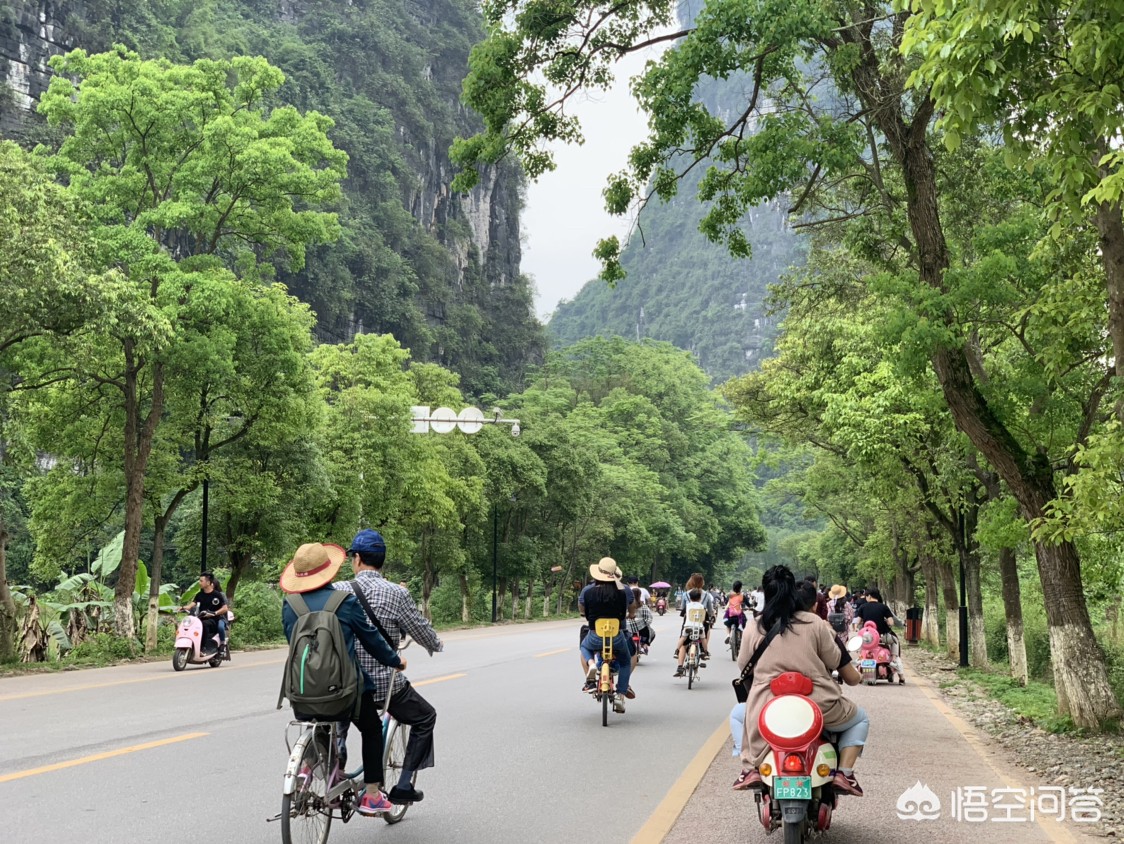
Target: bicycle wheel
point(393, 760)
point(305, 814)
point(735, 642)
point(692, 663)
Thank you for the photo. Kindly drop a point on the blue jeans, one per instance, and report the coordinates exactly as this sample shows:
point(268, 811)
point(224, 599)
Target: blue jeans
point(852, 733)
point(737, 727)
point(621, 652)
point(222, 629)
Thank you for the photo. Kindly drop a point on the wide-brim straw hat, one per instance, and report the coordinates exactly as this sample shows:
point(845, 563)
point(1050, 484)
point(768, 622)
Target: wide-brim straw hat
point(837, 591)
point(606, 570)
point(313, 565)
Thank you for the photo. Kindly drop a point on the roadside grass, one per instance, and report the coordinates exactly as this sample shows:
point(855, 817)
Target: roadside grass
point(105, 650)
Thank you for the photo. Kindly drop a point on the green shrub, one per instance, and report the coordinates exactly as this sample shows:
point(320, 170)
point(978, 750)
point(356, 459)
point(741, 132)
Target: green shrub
point(103, 647)
point(257, 615)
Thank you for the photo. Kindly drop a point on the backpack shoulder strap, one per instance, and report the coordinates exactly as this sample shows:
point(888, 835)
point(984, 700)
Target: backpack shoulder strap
point(335, 601)
point(362, 598)
point(772, 634)
point(297, 603)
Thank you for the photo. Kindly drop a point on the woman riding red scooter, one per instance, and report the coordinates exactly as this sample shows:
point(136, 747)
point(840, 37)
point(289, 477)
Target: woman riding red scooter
point(804, 644)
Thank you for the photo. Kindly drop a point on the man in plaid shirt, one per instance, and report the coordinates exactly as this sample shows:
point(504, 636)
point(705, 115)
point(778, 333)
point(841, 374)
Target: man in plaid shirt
point(394, 612)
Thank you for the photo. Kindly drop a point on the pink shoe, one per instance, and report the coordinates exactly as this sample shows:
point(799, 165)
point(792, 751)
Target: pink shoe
point(847, 784)
point(750, 778)
point(374, 804)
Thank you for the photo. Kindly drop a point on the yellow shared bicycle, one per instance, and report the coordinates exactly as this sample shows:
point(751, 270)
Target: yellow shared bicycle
point(607, 629)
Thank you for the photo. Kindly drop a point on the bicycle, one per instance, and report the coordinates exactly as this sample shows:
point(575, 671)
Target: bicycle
point(735, 640)
point(607, 629)
point(316, 790)
point(693, 629)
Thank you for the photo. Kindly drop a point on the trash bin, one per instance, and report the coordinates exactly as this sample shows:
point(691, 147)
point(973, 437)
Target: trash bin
point(913, 625)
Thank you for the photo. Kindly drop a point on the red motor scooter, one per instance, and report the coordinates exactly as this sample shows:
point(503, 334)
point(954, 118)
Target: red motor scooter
point(798, 795)
point(192, 650)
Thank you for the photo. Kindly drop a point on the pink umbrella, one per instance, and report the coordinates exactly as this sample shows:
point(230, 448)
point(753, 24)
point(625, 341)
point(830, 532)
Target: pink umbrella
point(659, 584)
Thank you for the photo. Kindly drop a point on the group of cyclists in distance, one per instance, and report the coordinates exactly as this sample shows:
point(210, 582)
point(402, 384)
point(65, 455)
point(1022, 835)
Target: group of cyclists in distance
point(814, 623)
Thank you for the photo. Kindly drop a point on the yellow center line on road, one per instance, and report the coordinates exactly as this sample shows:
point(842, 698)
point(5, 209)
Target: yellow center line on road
point(130, 681)
point(674, 802)
point(438, 679)
point(97, 757)
point(552, 653)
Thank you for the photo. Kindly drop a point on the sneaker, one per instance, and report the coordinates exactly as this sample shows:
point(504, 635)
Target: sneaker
point(618, 703)
point(589, 686)
point(401, 796)
point(750, 778)
point(847, 784)
point(373, 804)
point(679, 672)
point(630, 694)
point(591, 674)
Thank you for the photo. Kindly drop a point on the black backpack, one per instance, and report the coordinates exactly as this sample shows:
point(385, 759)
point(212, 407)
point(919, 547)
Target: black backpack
point(321, 679)
point(838, 621)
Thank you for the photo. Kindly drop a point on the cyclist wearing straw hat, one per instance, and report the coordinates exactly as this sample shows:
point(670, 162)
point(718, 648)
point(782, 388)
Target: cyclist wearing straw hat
point(607, 597)
point(310, 575)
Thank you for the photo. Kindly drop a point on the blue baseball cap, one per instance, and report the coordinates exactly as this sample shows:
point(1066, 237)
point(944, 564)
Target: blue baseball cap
point(367, 542)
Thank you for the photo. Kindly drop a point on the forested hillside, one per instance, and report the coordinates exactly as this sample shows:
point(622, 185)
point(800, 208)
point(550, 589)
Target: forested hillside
point(414, 259)
point(683, 288)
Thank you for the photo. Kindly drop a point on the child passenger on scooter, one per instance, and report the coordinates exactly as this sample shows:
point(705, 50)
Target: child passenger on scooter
point(807, 645)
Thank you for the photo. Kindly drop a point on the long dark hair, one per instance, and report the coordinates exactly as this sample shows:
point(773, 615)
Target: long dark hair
point(781, 601)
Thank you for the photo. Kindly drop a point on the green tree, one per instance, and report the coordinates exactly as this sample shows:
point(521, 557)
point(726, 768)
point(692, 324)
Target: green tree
point(48, 287)
point(873, 134)
point(192, 175)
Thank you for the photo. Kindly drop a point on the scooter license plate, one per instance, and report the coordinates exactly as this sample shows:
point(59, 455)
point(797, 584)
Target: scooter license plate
point(792, 788)
point(869, 663)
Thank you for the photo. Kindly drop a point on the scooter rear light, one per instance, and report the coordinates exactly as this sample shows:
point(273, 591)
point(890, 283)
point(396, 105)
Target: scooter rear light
point(793, 764)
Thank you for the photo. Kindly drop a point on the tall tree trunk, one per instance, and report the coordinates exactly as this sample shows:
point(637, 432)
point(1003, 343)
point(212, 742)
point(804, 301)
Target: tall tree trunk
point(547, 589)
point(1013, 610)
point(7, 605)
point(977, 630)
point(951, 608)
point(160, 527)
point(140, 431)
point(153, 619)
point(514, 596)
point(240, 563)
point(1080, 675)
point(527, 598)
point(930, 619)
point(466, 608)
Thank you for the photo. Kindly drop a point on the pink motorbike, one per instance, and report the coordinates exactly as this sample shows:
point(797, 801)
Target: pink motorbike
point(875, 660)
point(192, 650)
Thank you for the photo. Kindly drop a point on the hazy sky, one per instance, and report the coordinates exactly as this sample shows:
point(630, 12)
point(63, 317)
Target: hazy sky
point(565, 214)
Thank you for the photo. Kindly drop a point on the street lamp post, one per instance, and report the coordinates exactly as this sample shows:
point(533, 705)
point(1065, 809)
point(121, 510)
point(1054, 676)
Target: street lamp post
point(495, 555)
point(203, 557)
point(963, 593)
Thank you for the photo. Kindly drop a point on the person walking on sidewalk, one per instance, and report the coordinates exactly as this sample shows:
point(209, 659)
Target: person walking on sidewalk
point(392, 610)
point(805, 645)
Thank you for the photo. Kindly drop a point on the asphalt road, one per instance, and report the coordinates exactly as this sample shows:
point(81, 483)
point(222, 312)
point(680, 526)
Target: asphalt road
point(139, 753)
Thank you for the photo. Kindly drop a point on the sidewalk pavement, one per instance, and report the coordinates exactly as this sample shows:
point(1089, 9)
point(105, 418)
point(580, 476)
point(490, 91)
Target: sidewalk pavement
point(914, 738)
